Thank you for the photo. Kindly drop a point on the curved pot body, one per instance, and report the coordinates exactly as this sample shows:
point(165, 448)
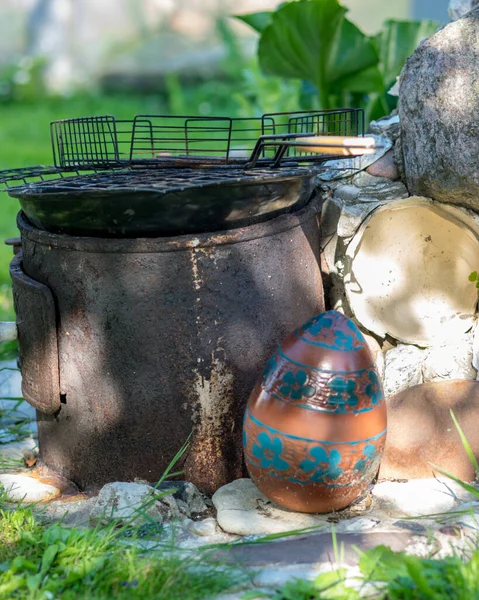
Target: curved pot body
point(152, 339)
point(315, 424)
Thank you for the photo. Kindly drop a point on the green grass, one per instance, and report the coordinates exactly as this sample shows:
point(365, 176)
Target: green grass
point(39, 562)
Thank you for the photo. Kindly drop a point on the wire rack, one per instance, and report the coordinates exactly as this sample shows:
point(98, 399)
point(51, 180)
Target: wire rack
point(105, 142)
point(160, 180)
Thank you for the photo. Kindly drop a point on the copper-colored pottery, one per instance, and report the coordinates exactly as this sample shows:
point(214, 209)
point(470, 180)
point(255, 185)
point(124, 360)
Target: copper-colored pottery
point(315, 425)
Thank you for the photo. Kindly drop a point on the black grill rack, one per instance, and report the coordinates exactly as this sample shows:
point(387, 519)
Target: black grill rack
point(159, 180)
point(105, 142)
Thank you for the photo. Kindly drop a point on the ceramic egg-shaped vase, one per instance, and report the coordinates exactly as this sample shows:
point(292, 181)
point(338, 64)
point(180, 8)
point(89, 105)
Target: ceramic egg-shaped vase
point(315, 424)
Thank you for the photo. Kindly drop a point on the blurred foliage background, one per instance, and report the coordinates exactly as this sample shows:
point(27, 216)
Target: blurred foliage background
point(70, 58)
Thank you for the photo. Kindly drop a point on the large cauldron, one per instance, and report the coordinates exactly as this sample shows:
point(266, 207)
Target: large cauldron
point(129, 345)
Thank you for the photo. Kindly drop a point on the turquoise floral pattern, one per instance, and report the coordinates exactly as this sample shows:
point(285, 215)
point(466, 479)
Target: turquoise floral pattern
point(295, 386)
point(334, 464)
point(268, 450)
point(373, 390)
point(334, 330)
point(316, 325)
point(368, 455)
point(324, 466)
point(343, 394)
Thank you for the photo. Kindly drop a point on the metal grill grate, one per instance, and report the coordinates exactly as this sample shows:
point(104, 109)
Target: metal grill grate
point(159, 180)
point(103, 142)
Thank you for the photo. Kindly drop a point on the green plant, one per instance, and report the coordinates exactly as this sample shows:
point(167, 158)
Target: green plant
point(474, 277)
point(312, 40)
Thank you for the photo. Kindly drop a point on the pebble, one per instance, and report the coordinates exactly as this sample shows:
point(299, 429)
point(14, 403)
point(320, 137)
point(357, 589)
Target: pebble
point(26, 489)
point(206, 527)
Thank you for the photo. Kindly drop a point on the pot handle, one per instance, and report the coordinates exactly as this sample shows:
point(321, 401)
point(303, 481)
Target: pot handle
point(37, 340)
point(327, 145)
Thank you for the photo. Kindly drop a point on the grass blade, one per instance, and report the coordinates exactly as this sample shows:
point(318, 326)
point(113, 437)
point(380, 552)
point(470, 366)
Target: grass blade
point(465, 443)
point(466, 486)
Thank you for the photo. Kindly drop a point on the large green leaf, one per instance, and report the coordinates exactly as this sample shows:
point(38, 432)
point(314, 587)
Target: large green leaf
point(258, 20)
point(312, 40)
point(396, 42)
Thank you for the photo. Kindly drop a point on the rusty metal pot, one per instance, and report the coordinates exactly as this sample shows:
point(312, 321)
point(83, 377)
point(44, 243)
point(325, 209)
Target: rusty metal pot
point(128, 345)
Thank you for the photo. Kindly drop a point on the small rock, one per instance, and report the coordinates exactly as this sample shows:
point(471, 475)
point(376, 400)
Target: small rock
point(122, 501)
point(421, 430)
point(452, 361)
point(16, 450)
point(385, 167)
point(244, 510)
point(190, 500)
point(26, 489)
point(347, 193)
point(207, 527)
point(382, 191)
point(410, 526)
point(403, 368)
point(417, 497)
point(74, 512)
point(338, 169)
point(389, 126)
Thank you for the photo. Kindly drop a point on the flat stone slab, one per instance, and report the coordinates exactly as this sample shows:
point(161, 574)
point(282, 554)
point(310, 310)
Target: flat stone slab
point(244, 510)
point(317, 548)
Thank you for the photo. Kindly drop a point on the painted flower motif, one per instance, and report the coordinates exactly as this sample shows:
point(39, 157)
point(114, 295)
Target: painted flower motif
point(342, 341)
point(270, 367)
point(268, 450)
point(295, 386)
point(322, 465)
point(373, 389)
point(368, 453)
point(343, 393)
point(315, 325)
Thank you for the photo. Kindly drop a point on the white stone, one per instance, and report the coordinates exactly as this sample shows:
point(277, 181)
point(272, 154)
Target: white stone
point(475, 351)
point(15, 450)
point(382, 126)
point(124, 500)
point(26, 489)
point(72, 513)
point(207, 527)
point(452, 361)
point(403, 368)
point(418, 496)
point(407, 272)
point(338, 169)
point(244, 510)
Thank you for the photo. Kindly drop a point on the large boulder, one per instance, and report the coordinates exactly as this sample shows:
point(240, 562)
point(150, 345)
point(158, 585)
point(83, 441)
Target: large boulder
point(406, 272)
point(421, 432)
point(439, 113)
